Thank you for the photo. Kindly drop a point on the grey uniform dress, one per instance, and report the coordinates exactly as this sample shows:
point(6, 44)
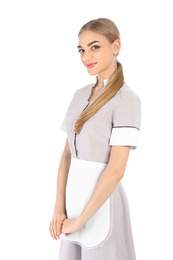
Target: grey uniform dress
point(117, 123)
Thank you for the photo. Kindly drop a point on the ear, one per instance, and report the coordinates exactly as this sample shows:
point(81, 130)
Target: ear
point(116, 47)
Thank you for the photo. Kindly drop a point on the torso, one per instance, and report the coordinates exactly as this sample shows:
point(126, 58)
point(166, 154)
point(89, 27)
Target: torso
point(93, 141)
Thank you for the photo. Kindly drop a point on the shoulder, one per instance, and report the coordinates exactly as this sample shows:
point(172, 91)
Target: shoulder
point(83, 90)
point(127, 108)
point(127, 95)
point(126, 92)
point(82, 93)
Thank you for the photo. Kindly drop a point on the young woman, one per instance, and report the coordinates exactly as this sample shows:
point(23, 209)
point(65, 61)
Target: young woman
point(102, 123)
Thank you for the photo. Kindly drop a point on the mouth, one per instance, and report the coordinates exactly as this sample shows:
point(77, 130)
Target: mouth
point(90, 65)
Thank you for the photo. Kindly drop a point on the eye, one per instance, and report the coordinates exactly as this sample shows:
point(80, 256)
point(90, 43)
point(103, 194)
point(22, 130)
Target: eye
point(81, 51)
point(94, 47)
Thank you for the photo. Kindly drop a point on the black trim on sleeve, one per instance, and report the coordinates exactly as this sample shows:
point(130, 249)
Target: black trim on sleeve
point(126, 127)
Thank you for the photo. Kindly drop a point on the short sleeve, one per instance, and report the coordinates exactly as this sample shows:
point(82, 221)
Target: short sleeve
point(126, 123)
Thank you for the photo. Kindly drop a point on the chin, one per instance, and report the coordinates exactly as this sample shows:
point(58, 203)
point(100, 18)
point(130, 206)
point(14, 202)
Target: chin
point(92, 73)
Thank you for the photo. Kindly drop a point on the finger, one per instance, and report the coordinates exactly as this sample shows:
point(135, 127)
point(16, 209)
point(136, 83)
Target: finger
point(56, 229)
point(59, 226)
point(63, 229)
point(53, 230)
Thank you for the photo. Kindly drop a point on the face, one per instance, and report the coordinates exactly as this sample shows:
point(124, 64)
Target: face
point(97, 53)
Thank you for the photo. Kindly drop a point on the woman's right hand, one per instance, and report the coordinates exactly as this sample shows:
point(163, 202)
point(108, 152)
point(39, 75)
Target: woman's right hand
point(55, 227)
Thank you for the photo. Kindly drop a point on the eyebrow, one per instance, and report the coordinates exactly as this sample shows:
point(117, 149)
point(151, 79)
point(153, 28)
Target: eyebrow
point(89, 44)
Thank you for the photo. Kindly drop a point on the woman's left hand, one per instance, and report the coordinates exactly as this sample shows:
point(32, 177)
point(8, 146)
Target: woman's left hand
point(70, 226)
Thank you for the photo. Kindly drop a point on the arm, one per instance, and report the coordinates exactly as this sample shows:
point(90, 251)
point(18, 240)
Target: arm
point(60, 208)
point(108, 181)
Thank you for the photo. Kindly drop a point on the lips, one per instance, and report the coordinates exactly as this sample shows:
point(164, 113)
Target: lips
point(90, 65)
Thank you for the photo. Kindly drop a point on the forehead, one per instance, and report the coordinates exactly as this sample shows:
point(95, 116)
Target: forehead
point(88, 36)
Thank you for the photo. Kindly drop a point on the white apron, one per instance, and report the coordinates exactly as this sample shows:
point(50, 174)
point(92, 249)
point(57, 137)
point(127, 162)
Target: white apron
point(82, 179)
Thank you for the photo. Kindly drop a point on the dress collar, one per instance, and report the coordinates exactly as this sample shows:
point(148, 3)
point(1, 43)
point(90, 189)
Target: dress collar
point(105, 81)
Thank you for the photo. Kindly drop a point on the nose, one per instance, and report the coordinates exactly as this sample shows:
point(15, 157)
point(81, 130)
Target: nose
point(87, 55)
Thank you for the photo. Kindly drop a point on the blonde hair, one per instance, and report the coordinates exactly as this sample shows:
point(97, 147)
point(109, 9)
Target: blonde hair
point(108, 29)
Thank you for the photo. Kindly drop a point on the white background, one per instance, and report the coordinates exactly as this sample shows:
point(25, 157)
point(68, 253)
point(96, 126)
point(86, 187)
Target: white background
point(39, 71)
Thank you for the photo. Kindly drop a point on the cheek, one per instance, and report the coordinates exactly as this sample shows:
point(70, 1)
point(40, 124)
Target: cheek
point(108, 58)
point(99, 56)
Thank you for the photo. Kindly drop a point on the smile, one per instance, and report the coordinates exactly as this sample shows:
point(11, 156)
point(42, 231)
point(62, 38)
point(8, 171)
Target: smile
point(90, 65)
